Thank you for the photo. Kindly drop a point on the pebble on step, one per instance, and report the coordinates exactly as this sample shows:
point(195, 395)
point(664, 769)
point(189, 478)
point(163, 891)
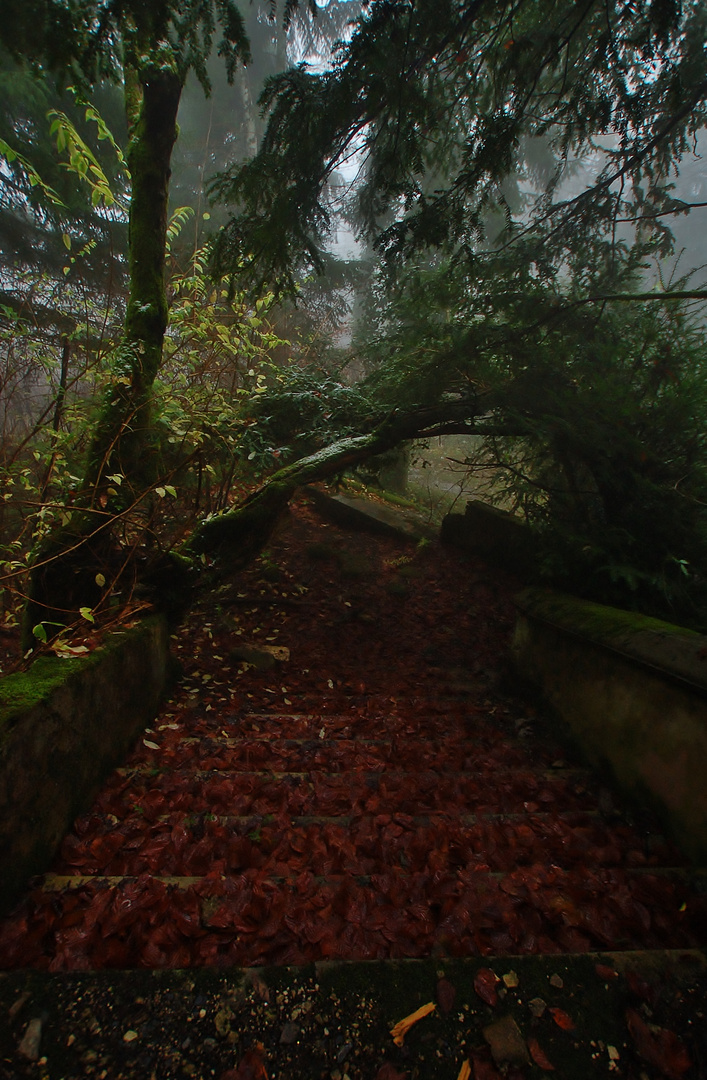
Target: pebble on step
point(29, 1044)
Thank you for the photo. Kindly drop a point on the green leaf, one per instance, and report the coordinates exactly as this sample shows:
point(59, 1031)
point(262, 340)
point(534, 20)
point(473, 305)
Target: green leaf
point(40, 633)
point(161, 492)
point(66, 240)
point(100, 580)
point(87, 613)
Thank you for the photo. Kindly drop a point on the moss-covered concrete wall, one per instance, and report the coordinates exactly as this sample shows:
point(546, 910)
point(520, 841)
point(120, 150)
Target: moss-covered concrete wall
point(360, 513)
point(64, 725)
point(633, 691)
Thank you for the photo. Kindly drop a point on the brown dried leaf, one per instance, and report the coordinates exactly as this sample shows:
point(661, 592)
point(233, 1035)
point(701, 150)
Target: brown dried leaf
point(538, 1055)
point(659, 1046)
point(389, 1072)
point(562, 1019)
point(446, 994)
point(485, 985)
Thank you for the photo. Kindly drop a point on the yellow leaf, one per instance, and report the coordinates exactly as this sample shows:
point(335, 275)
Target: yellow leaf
point(403, 1026)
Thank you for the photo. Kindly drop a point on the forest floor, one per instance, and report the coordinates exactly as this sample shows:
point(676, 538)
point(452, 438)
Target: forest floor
point(346, 810)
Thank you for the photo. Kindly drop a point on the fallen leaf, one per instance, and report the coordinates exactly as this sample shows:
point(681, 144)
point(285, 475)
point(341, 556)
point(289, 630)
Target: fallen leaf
point(658, 1046)
point(445, 996)
point(557, 981)
point(150, 745)
point(510, 980)
point(485, 985)
point(641, 987)
point(251, 1066)
point(538, 1055)
point(259, 986)
point(403, 1026)
point(389, 1072)
point(562, 1019)
point(537, 1006)
point(605, 972)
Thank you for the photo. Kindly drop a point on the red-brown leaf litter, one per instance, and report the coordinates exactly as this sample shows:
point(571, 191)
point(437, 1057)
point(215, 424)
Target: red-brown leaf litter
point(377, 791)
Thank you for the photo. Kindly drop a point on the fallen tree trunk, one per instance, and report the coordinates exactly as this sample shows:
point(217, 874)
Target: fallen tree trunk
point(245, 530)
point(63, 578)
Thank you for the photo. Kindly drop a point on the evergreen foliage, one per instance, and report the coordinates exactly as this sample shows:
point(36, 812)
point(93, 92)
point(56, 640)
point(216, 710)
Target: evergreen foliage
point(44, 211)
point(517, 161)
point(440, 101)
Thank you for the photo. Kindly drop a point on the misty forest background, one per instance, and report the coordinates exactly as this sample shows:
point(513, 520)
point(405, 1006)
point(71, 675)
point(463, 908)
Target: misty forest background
point(403, 241)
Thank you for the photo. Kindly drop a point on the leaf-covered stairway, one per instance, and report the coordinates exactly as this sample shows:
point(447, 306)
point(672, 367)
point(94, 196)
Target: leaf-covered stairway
point(376, 791)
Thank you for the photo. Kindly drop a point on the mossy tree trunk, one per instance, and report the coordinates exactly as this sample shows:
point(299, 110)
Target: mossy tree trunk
point(238, 535)
point(122, 442)
point(65, 565)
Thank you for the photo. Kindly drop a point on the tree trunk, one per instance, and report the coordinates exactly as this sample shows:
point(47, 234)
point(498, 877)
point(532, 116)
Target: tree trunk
point(122, 442)
point(63, 576)
point(59, 403)
point(240, 534)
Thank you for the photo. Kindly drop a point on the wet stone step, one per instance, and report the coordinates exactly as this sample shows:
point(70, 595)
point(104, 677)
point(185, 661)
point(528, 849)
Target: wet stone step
point(360, 845)
point(347, 805)
point(251, 919)
point(317, 792)
point(300, 755)
point(354, 725)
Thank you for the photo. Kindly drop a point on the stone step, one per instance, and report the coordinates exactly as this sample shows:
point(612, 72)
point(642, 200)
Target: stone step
point(109, 821)
point(454, 723)
point(251, 918)
point(562, 774)
point(298, 755)
point(333, 1018)
point(55, 882)
point(330, 793)
point(356, 843)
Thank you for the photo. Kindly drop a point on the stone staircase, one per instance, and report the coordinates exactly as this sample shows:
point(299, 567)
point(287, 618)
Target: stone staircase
point(380, 794)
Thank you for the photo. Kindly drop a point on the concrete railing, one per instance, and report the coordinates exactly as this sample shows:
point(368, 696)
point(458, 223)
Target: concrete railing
point(633, 692)
point(64, 726)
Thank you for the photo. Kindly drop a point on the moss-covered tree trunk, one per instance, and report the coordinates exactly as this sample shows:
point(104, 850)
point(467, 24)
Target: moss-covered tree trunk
point(240, 534)
point(122, 442)
point(63, 578)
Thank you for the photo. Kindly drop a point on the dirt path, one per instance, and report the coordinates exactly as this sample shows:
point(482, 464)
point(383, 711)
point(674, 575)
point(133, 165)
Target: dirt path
point(371, 790)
